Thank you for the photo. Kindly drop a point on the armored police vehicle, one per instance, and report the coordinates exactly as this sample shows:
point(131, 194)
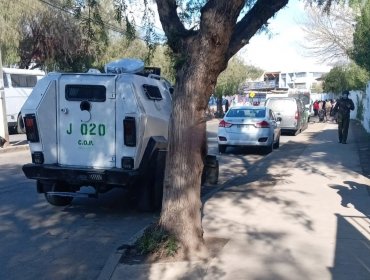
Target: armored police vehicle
point(97, 129)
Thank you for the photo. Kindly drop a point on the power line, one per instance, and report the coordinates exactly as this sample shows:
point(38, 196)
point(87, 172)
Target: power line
point(106, 24)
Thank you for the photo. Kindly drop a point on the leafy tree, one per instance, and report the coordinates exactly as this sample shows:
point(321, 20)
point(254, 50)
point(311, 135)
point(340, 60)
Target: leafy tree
point(230, 79)
point(361, 39)
point(348, 77)
point(11, 13)
point(45, 42)
point(203, 36)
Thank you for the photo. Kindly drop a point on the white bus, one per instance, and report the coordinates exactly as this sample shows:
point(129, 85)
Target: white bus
point(18, 84)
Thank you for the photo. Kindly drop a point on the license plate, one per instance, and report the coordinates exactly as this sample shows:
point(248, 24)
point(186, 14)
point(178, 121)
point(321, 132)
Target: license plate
point(244, 127)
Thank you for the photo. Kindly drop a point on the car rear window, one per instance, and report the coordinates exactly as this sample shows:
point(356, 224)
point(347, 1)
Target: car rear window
point(280, 105)
point(246, 113)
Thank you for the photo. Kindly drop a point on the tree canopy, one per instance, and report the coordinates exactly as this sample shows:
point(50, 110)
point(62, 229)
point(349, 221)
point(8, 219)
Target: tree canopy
point(361, 39)
point(346, 77)
point(230, 80)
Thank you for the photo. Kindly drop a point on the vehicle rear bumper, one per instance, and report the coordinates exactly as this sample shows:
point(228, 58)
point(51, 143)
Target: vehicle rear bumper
point(245, 143)
point(79, 176)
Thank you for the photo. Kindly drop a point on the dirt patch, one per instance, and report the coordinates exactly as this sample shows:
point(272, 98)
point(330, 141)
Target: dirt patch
point(133, 256)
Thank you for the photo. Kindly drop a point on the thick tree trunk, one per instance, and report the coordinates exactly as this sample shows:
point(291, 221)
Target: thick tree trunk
point(201, 55)
point(181, 210)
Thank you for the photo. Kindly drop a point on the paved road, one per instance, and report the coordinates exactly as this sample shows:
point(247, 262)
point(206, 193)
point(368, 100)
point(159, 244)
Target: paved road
point(40, 241)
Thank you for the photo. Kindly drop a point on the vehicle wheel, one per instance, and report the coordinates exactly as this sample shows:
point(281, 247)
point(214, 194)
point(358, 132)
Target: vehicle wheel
point(222, 149)
point(149, 199)
point(54, 199)
point(20, 125)
point(277, 144)
point(269, 148)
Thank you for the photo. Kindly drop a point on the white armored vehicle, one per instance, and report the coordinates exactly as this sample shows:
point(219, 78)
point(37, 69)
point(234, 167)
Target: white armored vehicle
point(97, 129)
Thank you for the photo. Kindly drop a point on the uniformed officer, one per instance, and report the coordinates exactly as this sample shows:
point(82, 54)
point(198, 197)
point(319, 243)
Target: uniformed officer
point(343, 107)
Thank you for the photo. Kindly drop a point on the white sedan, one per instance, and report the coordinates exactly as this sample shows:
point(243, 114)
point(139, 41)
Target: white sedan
point(249, 126)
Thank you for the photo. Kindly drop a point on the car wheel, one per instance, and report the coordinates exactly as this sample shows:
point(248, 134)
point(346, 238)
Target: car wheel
point(222, 149)
point(57, 200)
point(277, 144)
point(269, 148)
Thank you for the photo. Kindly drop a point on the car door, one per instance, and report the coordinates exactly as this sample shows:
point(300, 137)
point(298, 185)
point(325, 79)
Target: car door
point(86, 120)
point(275, 124)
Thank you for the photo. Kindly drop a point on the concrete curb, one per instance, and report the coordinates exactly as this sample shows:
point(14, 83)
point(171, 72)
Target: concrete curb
point(113, 260)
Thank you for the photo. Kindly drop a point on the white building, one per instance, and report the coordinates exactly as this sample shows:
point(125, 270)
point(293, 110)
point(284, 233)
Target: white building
point(299, 80)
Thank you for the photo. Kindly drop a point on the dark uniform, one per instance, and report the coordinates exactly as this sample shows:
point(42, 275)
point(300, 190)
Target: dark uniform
point(343, 108)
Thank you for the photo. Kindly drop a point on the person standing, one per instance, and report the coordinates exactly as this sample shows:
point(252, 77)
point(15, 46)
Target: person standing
point(343, 107)
point(327, 109)
point(316, 107)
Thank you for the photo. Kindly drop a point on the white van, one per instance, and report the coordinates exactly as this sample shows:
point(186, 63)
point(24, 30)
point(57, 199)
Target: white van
point(18, 85)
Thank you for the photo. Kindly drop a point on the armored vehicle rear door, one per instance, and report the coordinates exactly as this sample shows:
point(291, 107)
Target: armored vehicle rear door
point(86, 120)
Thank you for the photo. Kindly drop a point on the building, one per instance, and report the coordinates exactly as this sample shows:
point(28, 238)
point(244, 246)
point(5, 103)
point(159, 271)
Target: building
point(300, 80)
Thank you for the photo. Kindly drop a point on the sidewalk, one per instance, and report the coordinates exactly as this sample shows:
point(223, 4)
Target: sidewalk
point(303, 213)
point(17, 142)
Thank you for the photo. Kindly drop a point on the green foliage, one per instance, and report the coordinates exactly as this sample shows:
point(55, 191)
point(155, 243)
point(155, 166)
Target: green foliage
point(156, 239)
point(361, 38)
point(236, 73)
point(348, 77)
point(11, 13)
point(317, 88)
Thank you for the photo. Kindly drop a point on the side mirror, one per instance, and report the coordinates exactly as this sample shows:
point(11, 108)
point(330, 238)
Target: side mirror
point(171, 89)
point(279, 119)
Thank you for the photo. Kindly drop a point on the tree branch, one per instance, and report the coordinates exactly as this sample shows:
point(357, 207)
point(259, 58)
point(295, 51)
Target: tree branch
point(174, 29)
point(256, 17)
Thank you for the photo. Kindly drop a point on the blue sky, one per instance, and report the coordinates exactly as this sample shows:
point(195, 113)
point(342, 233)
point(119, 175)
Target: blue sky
point(283, 51)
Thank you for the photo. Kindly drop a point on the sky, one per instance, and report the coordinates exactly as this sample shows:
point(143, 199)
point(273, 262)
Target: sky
point(283, 51)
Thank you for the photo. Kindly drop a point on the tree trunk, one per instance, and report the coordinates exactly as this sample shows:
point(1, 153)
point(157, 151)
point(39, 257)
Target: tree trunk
point(201, 56)
point(181, 210)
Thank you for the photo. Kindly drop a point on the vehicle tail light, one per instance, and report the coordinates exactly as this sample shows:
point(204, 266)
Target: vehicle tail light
point(129, 131)
point(296, 116)
point(224, 124)
point(263, 124)
point(31, 128)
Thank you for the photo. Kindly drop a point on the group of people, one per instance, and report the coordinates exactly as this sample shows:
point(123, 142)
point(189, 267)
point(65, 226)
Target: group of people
point(324, 108)
point(340, 110)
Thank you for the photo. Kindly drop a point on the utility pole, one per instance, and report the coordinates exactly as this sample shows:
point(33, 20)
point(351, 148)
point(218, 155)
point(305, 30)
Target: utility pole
point(4, 134)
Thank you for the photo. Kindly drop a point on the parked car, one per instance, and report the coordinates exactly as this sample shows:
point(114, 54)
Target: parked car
point(294, 115)
point(249, 126)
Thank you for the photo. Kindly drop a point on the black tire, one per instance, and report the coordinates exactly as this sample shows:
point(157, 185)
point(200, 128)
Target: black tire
point(277, 144)
point(54, 199)
point(268, 149)
point(222, 149)
point(149, 199)
point(20, 125)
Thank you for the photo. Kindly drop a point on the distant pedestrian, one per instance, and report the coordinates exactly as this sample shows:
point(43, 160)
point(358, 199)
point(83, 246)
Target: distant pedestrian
point(343, 107)
point(226, 106)
point(316, 107)
point(327, 109)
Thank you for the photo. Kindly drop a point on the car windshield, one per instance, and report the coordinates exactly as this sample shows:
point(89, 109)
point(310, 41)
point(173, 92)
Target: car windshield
point(282, 105)
point(246, 113)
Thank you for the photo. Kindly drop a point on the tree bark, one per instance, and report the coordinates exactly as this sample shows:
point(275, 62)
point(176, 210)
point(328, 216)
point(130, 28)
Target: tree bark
point(203, 55)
